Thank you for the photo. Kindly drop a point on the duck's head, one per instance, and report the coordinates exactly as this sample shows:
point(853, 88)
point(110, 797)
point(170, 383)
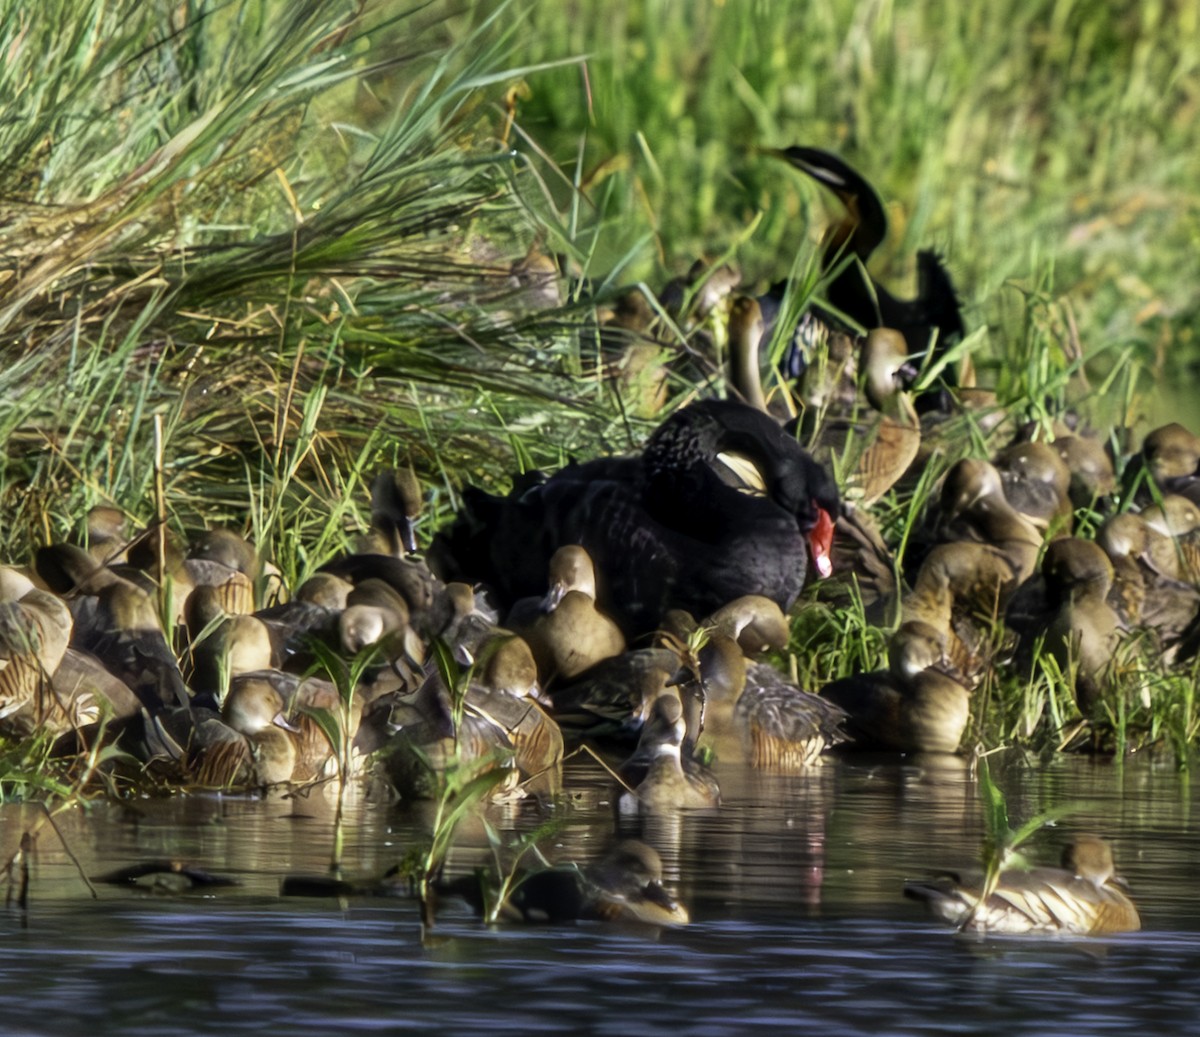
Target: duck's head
point(1089, 857)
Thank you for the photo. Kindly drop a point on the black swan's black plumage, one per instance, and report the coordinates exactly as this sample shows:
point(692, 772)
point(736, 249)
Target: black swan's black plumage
point(667, 528)
point(852, 292)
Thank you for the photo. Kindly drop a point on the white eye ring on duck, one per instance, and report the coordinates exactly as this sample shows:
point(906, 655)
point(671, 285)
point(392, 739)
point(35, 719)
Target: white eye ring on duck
point(748, 475)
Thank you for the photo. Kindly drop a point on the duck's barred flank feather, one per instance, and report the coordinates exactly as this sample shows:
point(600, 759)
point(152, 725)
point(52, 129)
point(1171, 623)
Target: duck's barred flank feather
point(1082, 898)
point(786, 728)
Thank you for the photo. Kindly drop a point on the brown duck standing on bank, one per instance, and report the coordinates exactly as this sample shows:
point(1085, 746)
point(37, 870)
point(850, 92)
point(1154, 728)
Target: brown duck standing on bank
point(1084, 632)
point(751, 711)
point(913, 705)
point(873, 447)
point(1082, 898)
point(572, 634)
point(35, 631)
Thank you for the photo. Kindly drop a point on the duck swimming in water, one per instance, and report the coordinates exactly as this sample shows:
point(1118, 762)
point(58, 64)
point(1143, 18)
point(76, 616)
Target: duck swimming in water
point(1082, 898)
point(721, 502)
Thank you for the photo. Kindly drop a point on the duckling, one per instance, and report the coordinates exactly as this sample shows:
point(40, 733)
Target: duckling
point(913, 705)
point(1082, 898)
point(668, 783)
point(573, 634)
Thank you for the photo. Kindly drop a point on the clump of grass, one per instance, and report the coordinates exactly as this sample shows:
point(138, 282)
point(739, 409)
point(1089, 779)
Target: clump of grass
point(271, 248)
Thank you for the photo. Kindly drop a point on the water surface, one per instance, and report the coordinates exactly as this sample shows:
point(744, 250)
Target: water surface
point(794, 888)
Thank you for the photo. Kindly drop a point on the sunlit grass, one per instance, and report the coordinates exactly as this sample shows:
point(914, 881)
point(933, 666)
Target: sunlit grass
point(282, 235)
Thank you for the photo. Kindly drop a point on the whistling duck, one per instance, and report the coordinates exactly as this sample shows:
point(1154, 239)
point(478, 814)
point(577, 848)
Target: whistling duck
point(1037, 483)
point(35, 631)
point(572, 634)
point(1082, 898)
point(669, 781)
point(913, 705)
point(1084, 632)
point(625, 885)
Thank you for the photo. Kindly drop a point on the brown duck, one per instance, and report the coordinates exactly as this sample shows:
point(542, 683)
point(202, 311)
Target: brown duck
point(573, 634)
point(1081, 898)
point(912, 706)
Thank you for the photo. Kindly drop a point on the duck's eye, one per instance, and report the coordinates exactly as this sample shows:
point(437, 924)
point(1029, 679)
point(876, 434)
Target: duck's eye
point(740, 472)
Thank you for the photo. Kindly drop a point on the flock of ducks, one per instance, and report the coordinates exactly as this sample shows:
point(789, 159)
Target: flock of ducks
point(630, 603)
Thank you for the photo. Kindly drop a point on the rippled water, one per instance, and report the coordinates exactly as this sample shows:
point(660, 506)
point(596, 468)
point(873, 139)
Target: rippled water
point(794, 887)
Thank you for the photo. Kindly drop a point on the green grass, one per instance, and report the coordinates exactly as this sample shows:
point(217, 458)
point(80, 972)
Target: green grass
point(258, 250)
